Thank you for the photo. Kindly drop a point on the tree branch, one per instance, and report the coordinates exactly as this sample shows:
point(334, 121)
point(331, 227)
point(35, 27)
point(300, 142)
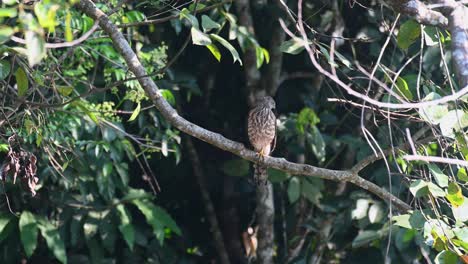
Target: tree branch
point(420, 12)
point(216, 139)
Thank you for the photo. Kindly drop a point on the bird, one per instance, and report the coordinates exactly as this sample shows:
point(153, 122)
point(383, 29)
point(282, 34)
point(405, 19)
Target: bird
point(261, 129)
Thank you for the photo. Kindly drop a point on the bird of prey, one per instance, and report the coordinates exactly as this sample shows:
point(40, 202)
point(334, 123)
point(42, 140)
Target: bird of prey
point(261, 128)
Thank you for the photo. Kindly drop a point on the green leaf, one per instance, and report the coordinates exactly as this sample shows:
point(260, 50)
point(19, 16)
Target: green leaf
point(169, 96)
point(364, 238)
point(227, 45)
point(260, 56)
point(157, 218)
point(135, 113)
point(215, 51)
point(461, 212)
point(5, 68)
point(134, 16)
point(68, 27)
point(408, 34)
point(4, 220)
point(293, 46)
point(317, 143)
point(435, 190)
point(375, 213)
point(185, 13)
point(311, 191)
point(65, 90)
point(433, 114)
point(454, 194)
point(5, 33)
point(294, 189)
point(439, 176)
point(266, 54)
point(8, 12)
point(22, 82)
point(9, 2)
point(462, 175)
point(200, 38)
point(35, 46)
point(28, 232)
point(403, 89)
point(362, 205)
point(90, 114)
point(54, 241)
point(430, 36)
point(126, 227)
point(446, 257)
point(453, 121)
point(419, 188)
point(402, 220)
point(236, 167)
point(307, 118)
point(275, 175)
point(208, 23)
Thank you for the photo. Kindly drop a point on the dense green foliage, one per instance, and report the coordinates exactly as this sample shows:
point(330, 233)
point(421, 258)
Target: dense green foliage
point(115, 181)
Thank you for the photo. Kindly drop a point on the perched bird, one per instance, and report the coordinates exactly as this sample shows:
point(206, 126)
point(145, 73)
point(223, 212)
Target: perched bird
point(261, 128)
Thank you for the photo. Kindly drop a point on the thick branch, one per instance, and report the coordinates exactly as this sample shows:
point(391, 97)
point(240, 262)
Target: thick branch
point(420, 12)
point(216, 139)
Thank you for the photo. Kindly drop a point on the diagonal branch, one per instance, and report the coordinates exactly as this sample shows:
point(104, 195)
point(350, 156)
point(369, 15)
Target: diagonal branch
point(216, 139)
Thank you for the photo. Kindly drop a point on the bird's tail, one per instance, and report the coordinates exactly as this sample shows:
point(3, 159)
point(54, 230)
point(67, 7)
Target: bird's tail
point(260, 174)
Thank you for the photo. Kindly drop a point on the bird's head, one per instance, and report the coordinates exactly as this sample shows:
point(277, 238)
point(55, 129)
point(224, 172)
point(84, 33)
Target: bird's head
point(266, 102)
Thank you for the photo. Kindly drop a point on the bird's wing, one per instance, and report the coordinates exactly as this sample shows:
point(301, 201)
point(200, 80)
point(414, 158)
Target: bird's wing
point(273, 142)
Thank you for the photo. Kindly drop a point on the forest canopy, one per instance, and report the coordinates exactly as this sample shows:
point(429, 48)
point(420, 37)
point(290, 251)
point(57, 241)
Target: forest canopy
point(124, 137)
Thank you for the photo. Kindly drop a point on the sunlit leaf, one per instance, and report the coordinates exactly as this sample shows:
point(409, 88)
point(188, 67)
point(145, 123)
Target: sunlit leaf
point(5, 33)
point(375, 213)
point(402, 220)
point(135, 113)
point(433, 113)
point(65, 90)
point(454, 194)
point(362, 205)
point(22, 81)
point(8, 12)
point(461, 212)
point(430, 36)
point(227, 45)
point(439, 176)
point(419, 188)
point(403, 89)
point(68, 27)
point(293, 46)
point(200, 38)
point(54, 241)
point(28, 232)
point(215, 51)
point(462, 175)
point(126, 227)
point(35, 46)
point(435, 190)
point(452, 122)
